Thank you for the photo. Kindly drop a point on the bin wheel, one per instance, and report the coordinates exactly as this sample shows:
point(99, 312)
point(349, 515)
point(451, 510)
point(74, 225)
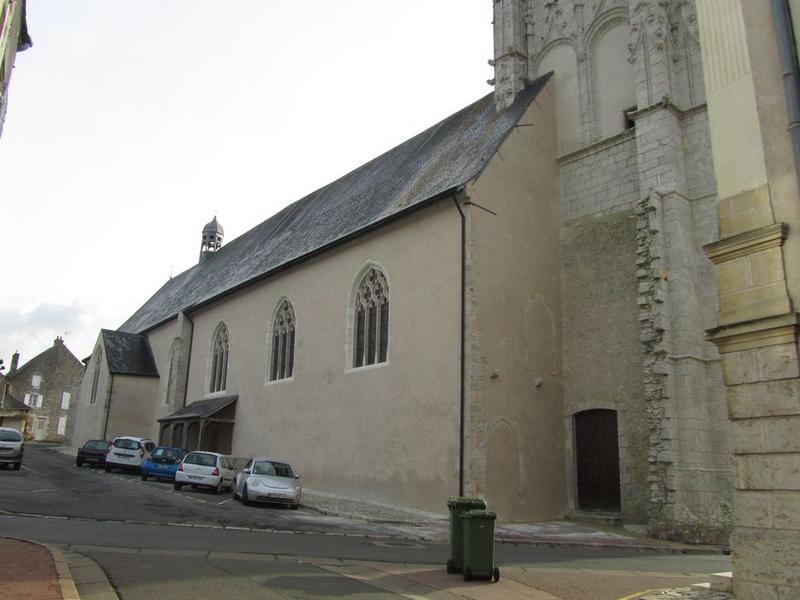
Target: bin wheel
point(450, 568)
point(496, 574)
point(467, 574)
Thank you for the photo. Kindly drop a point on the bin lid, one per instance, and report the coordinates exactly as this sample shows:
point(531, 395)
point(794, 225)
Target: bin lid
point(462, 501)
point(479, 514)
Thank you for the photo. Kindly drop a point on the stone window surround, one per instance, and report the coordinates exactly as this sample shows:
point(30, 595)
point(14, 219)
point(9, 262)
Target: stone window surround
point(349, 342)
point(269, 341)
point(218, 355)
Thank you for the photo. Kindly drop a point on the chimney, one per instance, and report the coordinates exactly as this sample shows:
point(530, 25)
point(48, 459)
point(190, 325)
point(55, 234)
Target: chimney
point(14, 363)
point(58, 340)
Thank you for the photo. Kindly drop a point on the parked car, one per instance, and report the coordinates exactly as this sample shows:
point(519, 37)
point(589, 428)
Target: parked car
point(128, 453)
point(205, 469)
point(93, 452)
point(162, 463)
point(12, 447)
point(268, 480)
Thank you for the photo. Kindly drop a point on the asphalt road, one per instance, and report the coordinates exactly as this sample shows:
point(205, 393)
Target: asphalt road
point(154, 542)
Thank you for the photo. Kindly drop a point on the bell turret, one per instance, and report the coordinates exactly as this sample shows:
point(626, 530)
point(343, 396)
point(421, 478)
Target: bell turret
point(212, 239)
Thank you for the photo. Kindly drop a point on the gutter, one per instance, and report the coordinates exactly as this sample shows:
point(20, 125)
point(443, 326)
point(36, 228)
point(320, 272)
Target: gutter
point(462, 391)
point(788, 57)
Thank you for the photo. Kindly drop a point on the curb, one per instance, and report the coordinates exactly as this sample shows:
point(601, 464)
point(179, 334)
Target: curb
point(65, 580)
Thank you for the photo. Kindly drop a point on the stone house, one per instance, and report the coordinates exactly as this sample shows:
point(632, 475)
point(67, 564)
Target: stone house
point(48, 384)
point(542, 255)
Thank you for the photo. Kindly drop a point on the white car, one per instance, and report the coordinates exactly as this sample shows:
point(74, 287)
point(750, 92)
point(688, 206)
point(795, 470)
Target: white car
point(11, 447)
point(205, 469)
point(128, 453)
point(268, 480)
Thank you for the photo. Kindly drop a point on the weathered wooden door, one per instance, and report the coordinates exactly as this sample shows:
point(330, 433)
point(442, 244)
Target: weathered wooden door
point(597, 457)
point(40, 432)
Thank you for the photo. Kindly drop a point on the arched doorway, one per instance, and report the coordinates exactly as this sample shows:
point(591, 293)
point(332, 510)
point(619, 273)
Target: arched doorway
point(597, 460)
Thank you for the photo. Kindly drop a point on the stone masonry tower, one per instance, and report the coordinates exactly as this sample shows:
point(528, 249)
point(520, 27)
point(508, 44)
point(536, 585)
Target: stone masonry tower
point(211, 239)
point(643, 391)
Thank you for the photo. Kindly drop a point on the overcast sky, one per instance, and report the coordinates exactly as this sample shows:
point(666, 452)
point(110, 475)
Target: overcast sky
point(131, 124)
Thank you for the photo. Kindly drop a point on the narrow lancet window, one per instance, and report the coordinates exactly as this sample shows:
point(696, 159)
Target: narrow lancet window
point(219, 360)
point(283, 330)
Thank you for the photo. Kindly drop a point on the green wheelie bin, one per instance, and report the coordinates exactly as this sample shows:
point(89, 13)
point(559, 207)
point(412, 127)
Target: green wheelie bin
point(478, 561)
point(458, 506)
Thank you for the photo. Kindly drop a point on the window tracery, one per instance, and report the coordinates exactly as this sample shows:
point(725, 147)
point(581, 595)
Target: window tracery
point(371, 326)
point(219, 360)
point(283, 333)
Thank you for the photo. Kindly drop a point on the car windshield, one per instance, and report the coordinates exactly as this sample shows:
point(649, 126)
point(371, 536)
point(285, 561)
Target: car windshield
point(96, 445)
point(172, 453)
point(268, 467)
point(201, 458)
point(9, 436)
point(126, 444)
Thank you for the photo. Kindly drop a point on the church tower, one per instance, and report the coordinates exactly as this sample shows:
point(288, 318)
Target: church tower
point(643, 398)
point(211, 239)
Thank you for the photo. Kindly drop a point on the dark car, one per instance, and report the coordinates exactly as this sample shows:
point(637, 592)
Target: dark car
point(12, 448)
point(162, 463)
point(92, 452)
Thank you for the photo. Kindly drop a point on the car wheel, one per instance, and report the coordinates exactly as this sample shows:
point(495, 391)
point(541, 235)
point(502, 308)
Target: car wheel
point(144, 477)
point(108, 469)
point(496, 574)
point(78, 463)
point(245, 499)
point(17, 466)
point(467, 574)
point(233, 491)
point(178, 486)
point(218, 489)
point(294, 506)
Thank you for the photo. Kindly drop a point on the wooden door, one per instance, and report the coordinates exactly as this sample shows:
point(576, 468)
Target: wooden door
point(597, 460)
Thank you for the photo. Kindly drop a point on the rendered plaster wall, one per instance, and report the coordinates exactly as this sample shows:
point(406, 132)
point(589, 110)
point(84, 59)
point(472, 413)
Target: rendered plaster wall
point(602, 352)
point(131, 408)
point(90, 417)
point(515, 383)
point(166, 343)
point(388, 432)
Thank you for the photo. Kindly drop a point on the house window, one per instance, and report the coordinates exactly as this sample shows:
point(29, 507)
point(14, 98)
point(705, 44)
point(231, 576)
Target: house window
point(34, 400)
point(62, 426)
point(371, 320)
point(65, 400)
point(98, 360)
point(282, 360)
point(219, 360)
point(36, 381)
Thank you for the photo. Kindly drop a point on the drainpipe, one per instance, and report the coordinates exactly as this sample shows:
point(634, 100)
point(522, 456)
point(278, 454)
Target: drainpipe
point(788, 57)
point(108, 404)
point(463, 355)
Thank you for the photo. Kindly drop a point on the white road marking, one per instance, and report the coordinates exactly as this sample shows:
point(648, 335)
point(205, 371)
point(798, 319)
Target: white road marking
point(224, 502)
point(31, 470)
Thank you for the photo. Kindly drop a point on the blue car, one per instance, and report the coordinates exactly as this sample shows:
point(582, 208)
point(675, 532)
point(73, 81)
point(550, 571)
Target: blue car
point(162, 463)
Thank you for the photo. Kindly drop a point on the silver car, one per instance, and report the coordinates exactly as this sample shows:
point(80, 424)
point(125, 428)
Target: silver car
point(11, 447)
point(268, 480)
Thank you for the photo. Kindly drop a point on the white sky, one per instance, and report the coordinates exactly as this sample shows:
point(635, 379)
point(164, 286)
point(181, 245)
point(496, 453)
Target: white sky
point(131, 124)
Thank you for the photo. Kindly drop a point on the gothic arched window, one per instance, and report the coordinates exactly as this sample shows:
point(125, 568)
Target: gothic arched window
point(219, 360)
point(282, 360)
point(371, 320)
point(98, 360)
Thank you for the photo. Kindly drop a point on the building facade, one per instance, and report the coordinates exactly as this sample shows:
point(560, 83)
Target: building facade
point(48, 384)
point(643, 400)
point(750, 58)
point(13, 38)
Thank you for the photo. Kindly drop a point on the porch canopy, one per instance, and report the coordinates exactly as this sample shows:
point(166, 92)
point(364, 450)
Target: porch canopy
point(202, 425)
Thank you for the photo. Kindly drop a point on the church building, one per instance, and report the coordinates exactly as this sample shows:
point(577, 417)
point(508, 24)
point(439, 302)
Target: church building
point(511, 304)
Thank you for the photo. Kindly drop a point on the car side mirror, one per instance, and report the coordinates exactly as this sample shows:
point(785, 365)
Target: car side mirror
point(246, 471)
point(297, 476)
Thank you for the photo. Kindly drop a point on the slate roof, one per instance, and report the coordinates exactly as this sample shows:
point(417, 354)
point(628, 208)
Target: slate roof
point(128, 354)
point(202, 409)
point(425, 168)
point(11, 403)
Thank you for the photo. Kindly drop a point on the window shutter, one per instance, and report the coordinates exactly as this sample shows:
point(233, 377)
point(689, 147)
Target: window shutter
point(28, 399)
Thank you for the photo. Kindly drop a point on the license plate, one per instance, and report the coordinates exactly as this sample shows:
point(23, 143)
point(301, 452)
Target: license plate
point(282, 496)
point(91, 459)
point(196, 477)
point(124, 455)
